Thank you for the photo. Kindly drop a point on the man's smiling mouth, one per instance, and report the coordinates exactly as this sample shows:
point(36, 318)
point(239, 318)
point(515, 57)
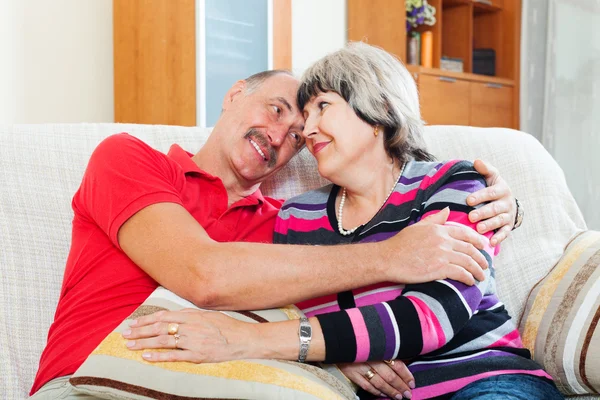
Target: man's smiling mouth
point(257, 147)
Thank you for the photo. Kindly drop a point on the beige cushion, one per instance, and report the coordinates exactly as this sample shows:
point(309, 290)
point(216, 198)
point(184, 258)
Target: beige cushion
point(560, 323)
point(114, 372)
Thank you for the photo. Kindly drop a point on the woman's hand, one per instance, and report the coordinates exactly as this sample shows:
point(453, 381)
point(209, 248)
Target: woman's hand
point(500, 213)
point(390, 379)
point(201, 336)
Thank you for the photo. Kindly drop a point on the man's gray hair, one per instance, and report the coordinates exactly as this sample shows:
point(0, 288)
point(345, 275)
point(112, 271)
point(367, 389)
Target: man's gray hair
point(379, 89)
point(253, 82)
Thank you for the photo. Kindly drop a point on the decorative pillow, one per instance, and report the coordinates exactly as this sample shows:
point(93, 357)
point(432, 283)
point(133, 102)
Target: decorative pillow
point(114, 372)
point(560, 322)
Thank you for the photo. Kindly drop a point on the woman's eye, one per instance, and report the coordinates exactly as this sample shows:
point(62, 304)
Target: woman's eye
point(277, 110)
point(322, 105)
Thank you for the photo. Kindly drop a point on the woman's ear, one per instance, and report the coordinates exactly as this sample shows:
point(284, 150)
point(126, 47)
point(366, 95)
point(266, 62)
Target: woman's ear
point(237, 89)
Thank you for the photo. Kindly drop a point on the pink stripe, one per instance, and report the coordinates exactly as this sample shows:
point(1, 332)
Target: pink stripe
point(511, 340)
point(432, 332)
point(304, 225)
point(363, 344)
point(457, 384)
point(375, 298)
point(323, 310)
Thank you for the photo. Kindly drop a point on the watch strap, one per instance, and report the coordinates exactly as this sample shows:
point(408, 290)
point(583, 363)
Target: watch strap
point(305, 336)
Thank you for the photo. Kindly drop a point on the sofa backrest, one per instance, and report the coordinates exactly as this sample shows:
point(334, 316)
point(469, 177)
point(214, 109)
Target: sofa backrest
point(41, 167)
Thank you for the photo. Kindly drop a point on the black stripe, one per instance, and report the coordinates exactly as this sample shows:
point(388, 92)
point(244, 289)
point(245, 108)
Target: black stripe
point(411, 340)
point(450, 301)
point(346, 300)
point(340, 341)
point(438, 374)
point(376, 332)
point(480, 325)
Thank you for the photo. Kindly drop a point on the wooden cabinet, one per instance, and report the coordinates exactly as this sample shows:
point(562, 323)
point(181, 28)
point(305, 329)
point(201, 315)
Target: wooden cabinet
point(444, 100)
point(491, 105)
point(448, 98)
point(462, 26)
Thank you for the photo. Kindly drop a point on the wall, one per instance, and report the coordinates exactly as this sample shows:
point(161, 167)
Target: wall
point(318, 28)
point(57, 61)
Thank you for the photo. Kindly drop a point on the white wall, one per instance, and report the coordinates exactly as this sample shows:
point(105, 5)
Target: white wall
point(56, 61)
point(318, 27)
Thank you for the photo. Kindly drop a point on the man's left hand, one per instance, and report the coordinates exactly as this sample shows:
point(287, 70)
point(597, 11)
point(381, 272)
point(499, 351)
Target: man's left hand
point(501, 211)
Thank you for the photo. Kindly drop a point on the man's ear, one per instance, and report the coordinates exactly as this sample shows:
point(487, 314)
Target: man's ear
point(236, 90)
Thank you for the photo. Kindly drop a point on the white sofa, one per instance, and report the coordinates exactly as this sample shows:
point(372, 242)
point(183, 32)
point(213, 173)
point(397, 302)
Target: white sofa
point(41, 167)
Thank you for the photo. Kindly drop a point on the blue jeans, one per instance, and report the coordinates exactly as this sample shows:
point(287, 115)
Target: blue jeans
point(509, 387)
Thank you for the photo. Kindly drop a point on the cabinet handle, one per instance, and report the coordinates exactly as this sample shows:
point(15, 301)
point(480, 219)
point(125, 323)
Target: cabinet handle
point(494, 85)
point(446, 79)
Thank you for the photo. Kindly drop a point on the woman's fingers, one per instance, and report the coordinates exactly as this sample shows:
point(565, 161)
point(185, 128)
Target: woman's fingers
point(158, 342)
point(388, 381)
point(162, 316)
point(403, 372)
point(170, 356)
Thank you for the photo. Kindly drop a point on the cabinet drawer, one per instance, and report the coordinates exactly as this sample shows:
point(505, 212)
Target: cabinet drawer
point(444, 101)
point(491, 105)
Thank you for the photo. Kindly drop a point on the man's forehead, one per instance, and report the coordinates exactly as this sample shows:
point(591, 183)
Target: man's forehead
point(281, 86)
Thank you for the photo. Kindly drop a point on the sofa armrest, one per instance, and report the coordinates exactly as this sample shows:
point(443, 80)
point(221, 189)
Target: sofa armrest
point(560, 322)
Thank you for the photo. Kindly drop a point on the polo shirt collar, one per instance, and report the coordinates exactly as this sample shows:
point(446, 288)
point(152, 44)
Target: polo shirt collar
point(184, 159)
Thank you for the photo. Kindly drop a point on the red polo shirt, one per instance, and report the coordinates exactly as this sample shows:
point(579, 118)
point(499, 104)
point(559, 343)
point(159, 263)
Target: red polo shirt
point(101, 285)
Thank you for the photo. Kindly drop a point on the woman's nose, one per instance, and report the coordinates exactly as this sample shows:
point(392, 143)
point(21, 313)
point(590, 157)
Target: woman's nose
point(310, 128)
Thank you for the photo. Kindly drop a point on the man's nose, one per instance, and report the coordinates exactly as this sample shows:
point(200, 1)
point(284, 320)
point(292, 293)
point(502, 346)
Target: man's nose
point(276, 134)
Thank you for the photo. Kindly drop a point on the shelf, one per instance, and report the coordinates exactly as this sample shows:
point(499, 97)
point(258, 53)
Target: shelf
point(479, 7)
point(460, 75)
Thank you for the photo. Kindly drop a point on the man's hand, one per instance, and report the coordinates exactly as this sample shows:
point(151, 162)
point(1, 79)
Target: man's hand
point(389, 379)
point(431, 250)
point(500, 213)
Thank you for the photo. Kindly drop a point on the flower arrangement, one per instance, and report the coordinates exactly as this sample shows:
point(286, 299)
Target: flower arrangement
point(419, 12)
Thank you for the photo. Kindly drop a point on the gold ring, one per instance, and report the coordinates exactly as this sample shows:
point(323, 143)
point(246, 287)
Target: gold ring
point(389, 362)
point(370, 374)
point(173, 328)
point(176, 336)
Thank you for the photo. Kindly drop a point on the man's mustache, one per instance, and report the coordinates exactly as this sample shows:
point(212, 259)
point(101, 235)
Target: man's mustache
point(262, 140)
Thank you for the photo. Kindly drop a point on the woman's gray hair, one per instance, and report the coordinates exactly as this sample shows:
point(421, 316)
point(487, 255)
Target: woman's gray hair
point(379, 89)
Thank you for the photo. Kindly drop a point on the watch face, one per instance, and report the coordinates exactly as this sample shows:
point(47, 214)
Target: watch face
point(305, 331)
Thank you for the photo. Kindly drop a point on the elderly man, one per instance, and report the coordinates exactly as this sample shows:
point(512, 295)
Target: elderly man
point(143, 218)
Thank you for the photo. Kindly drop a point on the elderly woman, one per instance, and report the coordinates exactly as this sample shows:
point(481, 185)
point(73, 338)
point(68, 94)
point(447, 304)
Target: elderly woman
point(363, 126)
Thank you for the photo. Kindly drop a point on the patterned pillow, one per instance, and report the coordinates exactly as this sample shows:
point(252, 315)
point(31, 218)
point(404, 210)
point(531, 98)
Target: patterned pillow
point(560, 322)
point(114, 372)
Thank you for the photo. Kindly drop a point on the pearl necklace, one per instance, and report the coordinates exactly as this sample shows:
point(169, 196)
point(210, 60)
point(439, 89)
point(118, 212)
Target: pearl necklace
point(343, 200)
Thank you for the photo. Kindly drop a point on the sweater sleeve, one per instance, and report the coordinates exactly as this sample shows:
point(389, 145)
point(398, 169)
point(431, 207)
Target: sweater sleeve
point(425, 316)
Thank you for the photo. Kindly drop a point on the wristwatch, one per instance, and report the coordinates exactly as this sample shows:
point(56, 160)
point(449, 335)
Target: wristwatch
point(305, 335)
point(519, 216)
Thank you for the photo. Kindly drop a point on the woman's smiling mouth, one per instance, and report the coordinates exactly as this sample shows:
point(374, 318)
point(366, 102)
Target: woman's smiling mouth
point(319, 146)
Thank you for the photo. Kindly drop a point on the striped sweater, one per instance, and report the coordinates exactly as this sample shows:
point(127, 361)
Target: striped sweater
point(448, 333)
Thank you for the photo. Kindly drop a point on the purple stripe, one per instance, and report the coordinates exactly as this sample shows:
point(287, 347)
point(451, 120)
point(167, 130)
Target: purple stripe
point(488, 301)
point(471, 294)
point(425, 367)
point(463, 185)
point(388, 328)
point(408, 181)
point(306, 207)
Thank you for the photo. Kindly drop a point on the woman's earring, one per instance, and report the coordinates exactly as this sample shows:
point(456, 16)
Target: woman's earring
point(376, 131)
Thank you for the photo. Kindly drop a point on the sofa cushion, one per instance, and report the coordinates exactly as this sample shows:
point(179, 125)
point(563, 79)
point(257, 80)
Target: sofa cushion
point(114, 372)
point(560, 323)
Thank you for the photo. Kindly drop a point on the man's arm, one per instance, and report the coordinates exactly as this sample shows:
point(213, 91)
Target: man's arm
point(173, 248)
